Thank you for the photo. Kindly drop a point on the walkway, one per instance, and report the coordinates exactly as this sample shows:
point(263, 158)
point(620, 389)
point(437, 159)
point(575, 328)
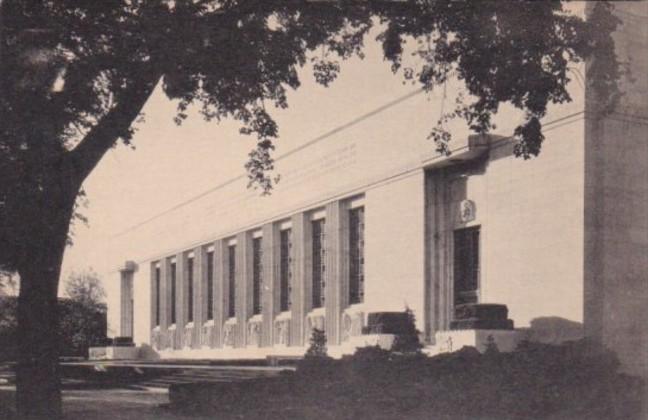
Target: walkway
point(140, 393)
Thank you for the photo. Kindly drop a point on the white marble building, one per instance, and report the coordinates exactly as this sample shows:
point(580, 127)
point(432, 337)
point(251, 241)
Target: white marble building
point(371, 219)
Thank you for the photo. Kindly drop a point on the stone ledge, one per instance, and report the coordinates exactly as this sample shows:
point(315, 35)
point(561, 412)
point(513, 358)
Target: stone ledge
point(481, 324)
point(452, 340)
point(113, 353)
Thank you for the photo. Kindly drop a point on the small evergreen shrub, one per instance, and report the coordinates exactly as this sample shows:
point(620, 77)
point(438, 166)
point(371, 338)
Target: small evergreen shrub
point(407, 342)
point(371, 353)
point(491, 346)
point(316, 362)
point(317, 347)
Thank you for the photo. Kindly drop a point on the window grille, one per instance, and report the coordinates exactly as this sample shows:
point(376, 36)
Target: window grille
point(356, 255)
point(173, 292)
point(157, 296)
point(257, 275)
point(190, 288)
point(285, 269)
point(319, 263)
point(210, 285)
point(231, 310)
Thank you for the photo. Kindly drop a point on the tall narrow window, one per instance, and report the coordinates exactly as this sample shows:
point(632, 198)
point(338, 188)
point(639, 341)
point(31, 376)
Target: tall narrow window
point(257, 275)
point(356, 255)
point(173, 292)
point(210, 285)
point(319, 263)
point(466, 265)
point(190, 287)
point(157, 295)
point(285, 269)
point(231, 310)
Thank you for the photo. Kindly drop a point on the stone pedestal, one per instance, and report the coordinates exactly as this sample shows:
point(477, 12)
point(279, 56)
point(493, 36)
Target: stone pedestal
point(282, 329)
point(481, 316)
point(113, 353)
point(126, 298)
point(449, 341)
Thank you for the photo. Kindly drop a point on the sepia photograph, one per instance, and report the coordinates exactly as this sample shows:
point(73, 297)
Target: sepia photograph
point(323, 210)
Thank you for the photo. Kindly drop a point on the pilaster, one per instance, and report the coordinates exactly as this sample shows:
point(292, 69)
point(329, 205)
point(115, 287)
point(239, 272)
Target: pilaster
point(126, 274)
point(335, 267)
point(165, 295)
point(221, 291)
point(302, 273)
point(270, 287)
point(243, 285)
point(181, 299)
point(440, 252)
point(199, 299)
point(168, 332)
point(154, 302)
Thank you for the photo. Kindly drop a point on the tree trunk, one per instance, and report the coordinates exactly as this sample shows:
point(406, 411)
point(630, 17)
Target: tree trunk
point(38, 393)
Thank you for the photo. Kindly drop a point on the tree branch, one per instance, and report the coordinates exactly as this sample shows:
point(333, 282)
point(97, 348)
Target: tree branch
point(115, 124)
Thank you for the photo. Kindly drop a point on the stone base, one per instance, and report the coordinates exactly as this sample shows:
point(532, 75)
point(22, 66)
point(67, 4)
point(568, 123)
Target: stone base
point(481, 324)
point(384, 341)
point(113, 353)
point(481, 316)
point(449, 341)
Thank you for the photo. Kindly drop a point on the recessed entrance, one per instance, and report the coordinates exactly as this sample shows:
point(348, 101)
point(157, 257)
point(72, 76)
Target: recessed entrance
point(466, 265)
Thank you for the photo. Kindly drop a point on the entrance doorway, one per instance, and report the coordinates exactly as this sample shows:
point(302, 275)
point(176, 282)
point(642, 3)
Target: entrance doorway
point(466, 265)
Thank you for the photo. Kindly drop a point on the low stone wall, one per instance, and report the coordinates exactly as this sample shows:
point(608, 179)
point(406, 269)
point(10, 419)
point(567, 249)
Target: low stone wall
point(113, 353)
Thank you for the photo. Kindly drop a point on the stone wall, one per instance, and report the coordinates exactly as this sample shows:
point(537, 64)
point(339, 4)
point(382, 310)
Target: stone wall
point(616, 203)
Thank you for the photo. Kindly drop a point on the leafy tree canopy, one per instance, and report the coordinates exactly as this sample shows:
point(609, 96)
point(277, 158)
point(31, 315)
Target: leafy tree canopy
point(85, 287)
point(77, 73)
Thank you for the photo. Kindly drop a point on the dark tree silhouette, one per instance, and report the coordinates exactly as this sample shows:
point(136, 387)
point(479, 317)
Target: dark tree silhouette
point(83, 315)
point(75, 74)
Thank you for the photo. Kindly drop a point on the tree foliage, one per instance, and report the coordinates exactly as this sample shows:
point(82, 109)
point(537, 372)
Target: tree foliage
point(8, 328)
point(83, 316)
point(76, 74)
point(85, 287)
point(82, 325)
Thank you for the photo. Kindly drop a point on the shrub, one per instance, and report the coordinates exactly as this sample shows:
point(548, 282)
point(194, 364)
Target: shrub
point(316, 362)
point(576, 380)
point(80, 326)
point(317, 346)
point(407, 341)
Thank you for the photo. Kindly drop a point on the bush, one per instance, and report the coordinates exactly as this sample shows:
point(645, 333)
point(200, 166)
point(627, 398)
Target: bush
point(407, 341)
point(81, 325)
point(576, 380)
point(317, 346)
point(316, 362)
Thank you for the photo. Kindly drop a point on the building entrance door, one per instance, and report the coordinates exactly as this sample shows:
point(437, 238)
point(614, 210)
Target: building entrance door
point(466, 265)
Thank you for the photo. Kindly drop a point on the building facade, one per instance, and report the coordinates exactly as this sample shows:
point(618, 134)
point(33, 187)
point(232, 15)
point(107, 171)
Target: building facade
point(371, 219)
